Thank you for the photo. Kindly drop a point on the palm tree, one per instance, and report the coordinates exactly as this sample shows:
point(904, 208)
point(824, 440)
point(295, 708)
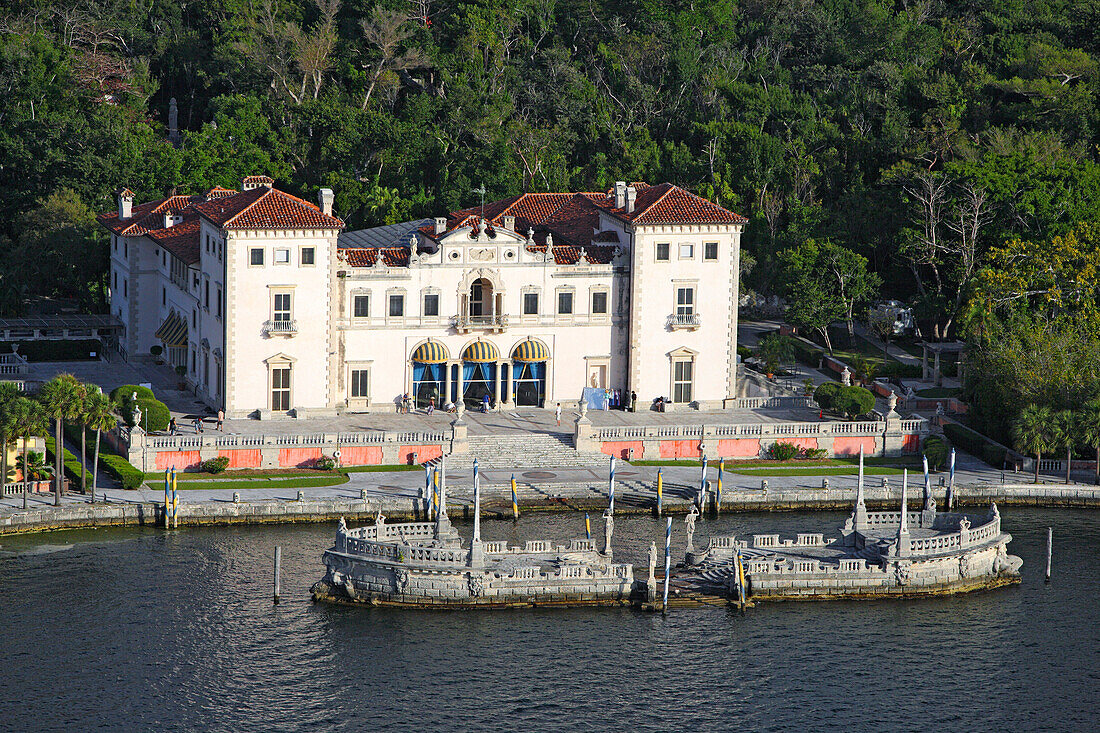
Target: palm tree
point(8, 394)
point(27, 419)
point(82, 417)
point(1032, 433)
point(99, 415)
point(1064, 432)
point(1088, 423)
point(61, 398)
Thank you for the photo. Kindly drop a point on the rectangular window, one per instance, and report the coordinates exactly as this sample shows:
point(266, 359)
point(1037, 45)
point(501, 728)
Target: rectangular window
point(565, 302)
point(710, 251)
point(115, 276)
point(662, 252)
point(681, 381)
point(360, 306)
point(125, 287)
point(431, 304)
point(397, 305)
point(164, 296)
point(192, 361)
point(281, 310)
point(687, 251)
point(219, 312)
point(599, 302)
point(218, 247)
point(530, 304)
point(206, 295)
point(360, 382)
point(163, 258)
point(194, 318)
point(307, 256)
point(282, 257)
point(280, 389)
point(256, 256)
point(125, 248)
point(685, 301)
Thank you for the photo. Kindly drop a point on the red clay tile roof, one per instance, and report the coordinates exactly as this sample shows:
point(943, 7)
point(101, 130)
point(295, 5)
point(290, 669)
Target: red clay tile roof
point(593, 254)
point(669, 204)
point(182, 239)
point(265, 208)
point(145, 217)
point(259, 180)
point(366, 257)
point(217, 192)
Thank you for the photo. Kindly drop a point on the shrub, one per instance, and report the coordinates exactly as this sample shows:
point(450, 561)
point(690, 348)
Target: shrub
point(324, 463)
point(123, 393)
point(935, 449)
point(994, 455)
point(897, 370)
point(781, 451)
point(156, 349)
point(744, 352)
point(122, 470)
point(70, 462)
point(215, 465)
point(813, 454)
point(154, 415)
point(853, 401)
point(825, 395)
point(807, 354)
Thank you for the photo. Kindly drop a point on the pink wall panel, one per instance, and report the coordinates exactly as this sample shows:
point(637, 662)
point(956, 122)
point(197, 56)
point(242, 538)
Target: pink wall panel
point(298, 457)
point(621, 448)
point(850, 446)
point(242, 457)
point(410, 454)
point(680, 449)
point(361, 455)
point(739, 448)
point(180, 459)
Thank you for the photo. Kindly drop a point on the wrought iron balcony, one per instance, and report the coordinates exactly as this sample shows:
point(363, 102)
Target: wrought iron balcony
point(283, 328)
point(495, 322)
point(689, 321)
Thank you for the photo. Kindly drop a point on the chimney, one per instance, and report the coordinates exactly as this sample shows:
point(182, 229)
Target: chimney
point(510, 223)
point(440, 224)
point(170, 219)
point(125, 203)
point(620, 194)
point(324, 201)
point(631, 195)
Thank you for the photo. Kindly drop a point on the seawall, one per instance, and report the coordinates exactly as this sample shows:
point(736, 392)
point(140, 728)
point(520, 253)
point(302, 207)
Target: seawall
point(495, 503)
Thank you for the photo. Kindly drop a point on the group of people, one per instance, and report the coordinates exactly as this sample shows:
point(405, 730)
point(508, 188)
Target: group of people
point(197, 424)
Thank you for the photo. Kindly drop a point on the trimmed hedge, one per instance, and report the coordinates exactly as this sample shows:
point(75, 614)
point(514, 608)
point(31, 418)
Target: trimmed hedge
point(825, 394)
point(808, 355)
point(123, 392)
point(70, 462)
point(900, 371)
point(154, 415)
point(121, 470)
point(853, 401)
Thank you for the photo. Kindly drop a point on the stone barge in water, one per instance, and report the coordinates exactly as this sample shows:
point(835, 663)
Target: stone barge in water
point(877, 555)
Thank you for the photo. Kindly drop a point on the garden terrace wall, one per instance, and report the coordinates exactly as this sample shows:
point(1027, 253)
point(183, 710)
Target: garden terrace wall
point(185, 452)
point(892, 437)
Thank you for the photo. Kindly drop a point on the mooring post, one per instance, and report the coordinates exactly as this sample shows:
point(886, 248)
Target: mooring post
point(587, 527)
point(278, 561)
point(515, 504)
point(175, 502)
point(668, 563)
point(1050, 549)
point(660, 491)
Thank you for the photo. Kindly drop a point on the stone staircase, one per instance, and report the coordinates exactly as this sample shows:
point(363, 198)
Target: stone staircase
point(525, 450)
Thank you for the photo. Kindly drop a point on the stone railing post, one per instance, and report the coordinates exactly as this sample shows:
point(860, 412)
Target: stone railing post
point(583, 438)
point(459, 436)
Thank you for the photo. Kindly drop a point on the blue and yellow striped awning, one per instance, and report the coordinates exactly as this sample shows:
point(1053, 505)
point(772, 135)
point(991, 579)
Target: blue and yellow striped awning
point(481, 352)
point(431, 352)
point(530, 350)
point(173, 332)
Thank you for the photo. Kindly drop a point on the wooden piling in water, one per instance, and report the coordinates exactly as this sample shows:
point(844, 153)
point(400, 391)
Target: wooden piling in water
point(1050, 549)
point(278, 562)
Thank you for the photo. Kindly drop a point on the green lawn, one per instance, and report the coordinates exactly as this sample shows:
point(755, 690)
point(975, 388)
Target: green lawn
point(933, 392)
point(302, 482)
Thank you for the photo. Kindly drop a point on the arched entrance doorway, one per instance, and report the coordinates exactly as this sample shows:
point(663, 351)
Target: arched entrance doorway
point(479, 372)
point(429, 363)
point(529, 373)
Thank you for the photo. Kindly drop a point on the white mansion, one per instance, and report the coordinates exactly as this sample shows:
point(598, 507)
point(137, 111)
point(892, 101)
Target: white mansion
point(271, 309)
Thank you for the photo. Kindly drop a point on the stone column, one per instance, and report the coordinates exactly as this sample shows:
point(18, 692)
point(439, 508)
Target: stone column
point(409, 383)
point(446, 385)
point(459, 435)
point(497, 385)
point(937, 376)
point(458, 384)
point(509, 396)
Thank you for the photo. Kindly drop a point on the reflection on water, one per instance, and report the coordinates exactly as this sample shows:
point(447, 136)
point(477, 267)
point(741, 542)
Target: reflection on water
point(138, 629)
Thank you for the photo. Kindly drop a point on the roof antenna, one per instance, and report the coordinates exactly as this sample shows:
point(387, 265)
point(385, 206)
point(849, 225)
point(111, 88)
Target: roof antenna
point(481, 190)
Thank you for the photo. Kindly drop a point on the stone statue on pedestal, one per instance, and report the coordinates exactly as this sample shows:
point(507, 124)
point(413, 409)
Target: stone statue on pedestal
point(652, 562)
point(379, 519)
point(846, 377)
point(690, 522)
